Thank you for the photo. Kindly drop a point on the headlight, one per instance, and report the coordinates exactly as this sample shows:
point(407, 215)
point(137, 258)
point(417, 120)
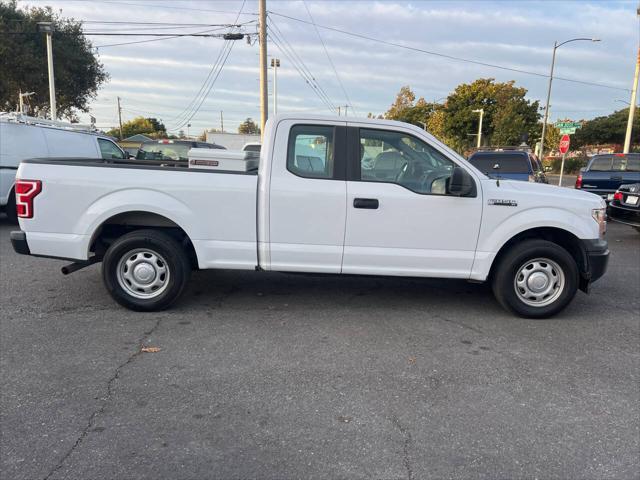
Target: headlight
point(600, 216)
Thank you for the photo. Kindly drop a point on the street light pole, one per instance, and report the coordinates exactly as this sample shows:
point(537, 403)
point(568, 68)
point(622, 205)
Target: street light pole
point(556, 45)
point(275, 64)
point(481, 112)
point(262, 38)
point(632, 107)
point(47, 28)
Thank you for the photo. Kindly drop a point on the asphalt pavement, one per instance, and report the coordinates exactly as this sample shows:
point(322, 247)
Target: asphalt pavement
point(268, 375)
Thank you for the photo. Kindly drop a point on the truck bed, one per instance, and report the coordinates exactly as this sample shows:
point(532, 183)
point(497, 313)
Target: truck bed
point(216, 209)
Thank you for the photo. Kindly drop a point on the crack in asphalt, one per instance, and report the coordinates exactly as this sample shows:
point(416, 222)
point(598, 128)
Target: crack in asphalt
point(105, 400)
point(460, 324)
point(407, 440)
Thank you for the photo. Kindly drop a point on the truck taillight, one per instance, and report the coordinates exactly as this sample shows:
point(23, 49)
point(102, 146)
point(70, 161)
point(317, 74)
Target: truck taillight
point(579, 181)
point(26, 191)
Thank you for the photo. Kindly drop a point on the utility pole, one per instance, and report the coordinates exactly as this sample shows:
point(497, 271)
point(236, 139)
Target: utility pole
point(47, 28)
point(481, 112)
point(275, 64)
point(221, 122)
point(262, 38)
point(632, 107)
point(120, 118)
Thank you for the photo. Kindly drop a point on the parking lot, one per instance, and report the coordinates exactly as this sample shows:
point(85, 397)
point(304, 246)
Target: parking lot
point(290, 376)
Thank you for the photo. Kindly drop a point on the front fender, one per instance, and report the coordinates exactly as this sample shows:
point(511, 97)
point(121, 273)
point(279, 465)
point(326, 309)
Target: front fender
point(494, 235)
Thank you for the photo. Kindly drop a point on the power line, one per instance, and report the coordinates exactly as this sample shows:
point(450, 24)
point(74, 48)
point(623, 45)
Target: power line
point(297, 61)
point(444, 55)
point(154, 39)
point(309, 81)
point(346, 95)
point(214, 79)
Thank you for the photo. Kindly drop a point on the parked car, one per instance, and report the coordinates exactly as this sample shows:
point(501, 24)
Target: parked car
point(23, 137)
point(171, 150)
point(604, 174)
point(252, 147)
point(312, 207)
point(625, 205)
point(509, 165)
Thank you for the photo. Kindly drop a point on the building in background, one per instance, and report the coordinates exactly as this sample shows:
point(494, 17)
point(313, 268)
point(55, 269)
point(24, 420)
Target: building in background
point(132, 143)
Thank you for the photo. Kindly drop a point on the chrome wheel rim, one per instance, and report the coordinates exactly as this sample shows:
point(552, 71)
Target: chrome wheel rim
point(539, 282)
point(143, 273)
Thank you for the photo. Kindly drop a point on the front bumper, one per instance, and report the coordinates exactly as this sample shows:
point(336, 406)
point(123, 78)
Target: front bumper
point(597, 260)
point(19, 242)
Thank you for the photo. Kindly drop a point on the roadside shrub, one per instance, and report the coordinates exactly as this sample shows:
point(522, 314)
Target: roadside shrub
point(571, 164)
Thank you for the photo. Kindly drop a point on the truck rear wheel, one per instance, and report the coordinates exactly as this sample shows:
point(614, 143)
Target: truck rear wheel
point(145, 270)
point(536, 279)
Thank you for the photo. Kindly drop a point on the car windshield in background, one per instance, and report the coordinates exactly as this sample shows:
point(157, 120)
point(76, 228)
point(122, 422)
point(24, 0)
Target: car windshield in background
point(617, 162)
point(164, 151)
point(509, 163)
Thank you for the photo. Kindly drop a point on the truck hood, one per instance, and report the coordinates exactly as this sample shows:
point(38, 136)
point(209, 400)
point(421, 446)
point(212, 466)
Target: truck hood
point(542, 195)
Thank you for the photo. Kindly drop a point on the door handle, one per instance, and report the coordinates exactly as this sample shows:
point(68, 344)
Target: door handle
point(368, 203)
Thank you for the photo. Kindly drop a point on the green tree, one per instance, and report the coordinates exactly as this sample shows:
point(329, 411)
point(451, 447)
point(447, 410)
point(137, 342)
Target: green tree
point(150, 127)
point(405, 108)
point(248, 127)
point(509, 117)
point(609, 129)
point(78, 73)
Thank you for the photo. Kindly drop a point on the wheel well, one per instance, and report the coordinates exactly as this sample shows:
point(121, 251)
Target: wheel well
point(123, 223)
point(565, 239)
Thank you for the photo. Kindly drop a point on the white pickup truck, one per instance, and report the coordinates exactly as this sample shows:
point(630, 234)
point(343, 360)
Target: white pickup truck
point(330, 195)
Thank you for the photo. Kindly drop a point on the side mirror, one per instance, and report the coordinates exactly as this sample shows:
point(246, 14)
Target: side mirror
point(461, 183)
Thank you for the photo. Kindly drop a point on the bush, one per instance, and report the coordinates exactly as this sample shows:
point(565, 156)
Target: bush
point(571, 165)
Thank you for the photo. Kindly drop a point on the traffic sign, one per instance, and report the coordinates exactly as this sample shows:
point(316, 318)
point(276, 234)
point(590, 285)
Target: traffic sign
point(568, 124)
point(565, 141)
point(567, 131)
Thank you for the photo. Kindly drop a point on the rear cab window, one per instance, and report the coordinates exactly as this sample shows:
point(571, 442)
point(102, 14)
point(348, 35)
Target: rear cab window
point(310, 151)
point(164, 150)
point(501, 162)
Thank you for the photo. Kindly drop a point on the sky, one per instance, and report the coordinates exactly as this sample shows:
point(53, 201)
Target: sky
point(164, 78)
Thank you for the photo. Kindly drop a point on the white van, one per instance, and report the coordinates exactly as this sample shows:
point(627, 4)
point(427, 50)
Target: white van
point(23, 137)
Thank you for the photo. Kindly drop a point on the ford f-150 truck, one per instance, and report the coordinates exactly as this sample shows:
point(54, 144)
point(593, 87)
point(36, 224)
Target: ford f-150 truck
point(330, 195)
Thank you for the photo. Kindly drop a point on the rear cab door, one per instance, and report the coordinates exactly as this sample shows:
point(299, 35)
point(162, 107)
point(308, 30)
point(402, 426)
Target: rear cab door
point(400, 219)
point(305, 209)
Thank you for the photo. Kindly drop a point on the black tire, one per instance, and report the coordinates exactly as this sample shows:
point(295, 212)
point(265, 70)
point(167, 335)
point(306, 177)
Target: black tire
point(532, 253)
point(10, 209)
point(153, 254)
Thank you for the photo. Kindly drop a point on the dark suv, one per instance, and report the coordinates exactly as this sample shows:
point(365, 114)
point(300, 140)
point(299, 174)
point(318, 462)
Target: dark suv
point(509, 164)
point(170, 150)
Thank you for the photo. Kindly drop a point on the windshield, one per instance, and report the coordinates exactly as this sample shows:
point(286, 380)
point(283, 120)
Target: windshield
point(508, 162)
point(164, 151)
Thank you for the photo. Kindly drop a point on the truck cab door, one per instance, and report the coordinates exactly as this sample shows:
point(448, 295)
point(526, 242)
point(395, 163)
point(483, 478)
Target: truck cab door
point(401, 220)
point(306, 197)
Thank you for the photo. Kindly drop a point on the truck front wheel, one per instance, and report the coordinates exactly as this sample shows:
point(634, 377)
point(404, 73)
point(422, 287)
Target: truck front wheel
point(535, 279)
point(145, 270)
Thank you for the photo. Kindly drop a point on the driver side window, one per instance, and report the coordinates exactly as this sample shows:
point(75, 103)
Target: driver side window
point(396, 157)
